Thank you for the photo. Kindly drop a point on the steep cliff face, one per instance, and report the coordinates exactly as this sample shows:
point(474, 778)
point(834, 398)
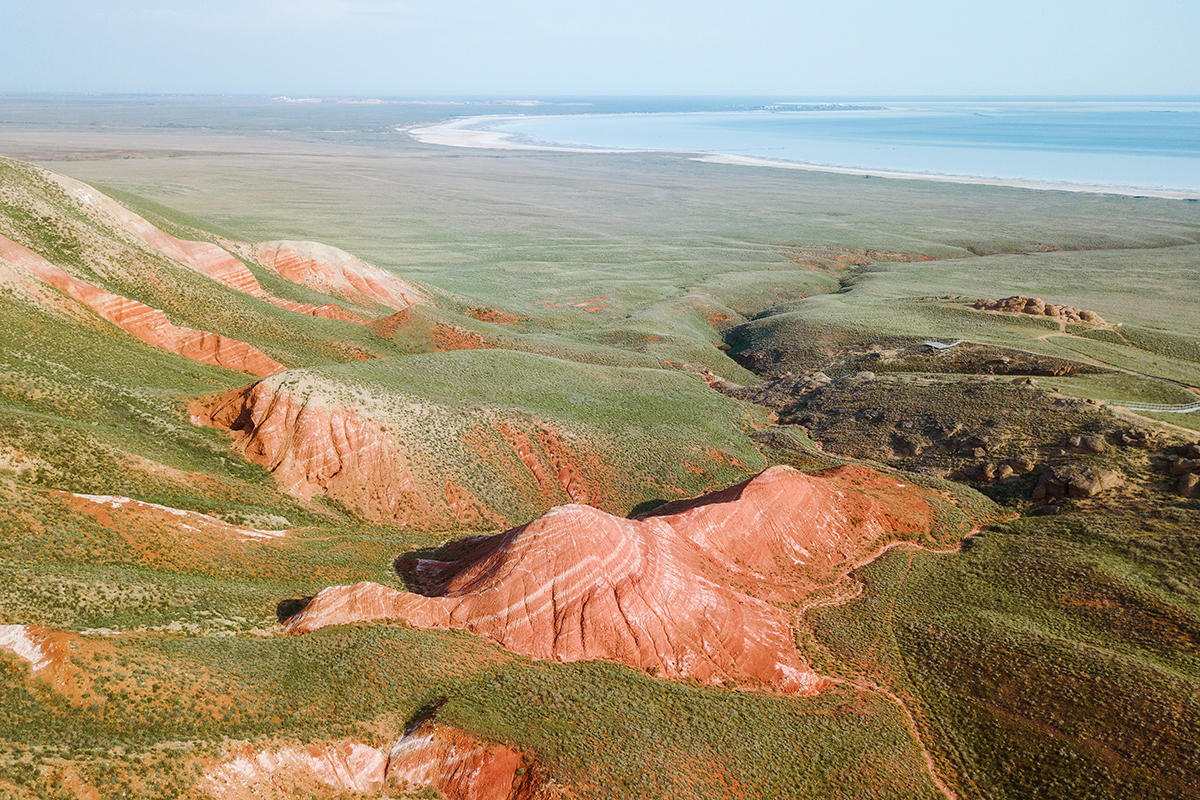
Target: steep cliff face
point(670, 593)
point(148, 324)
point(455, 764)
point(312, 448)
point(356, 452)
point(338, 273)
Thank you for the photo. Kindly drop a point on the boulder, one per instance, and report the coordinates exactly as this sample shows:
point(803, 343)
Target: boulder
point(1072, 481)
point(1189, 485)
point(1183, 466)
point(1036, 306)
point(1138, 437)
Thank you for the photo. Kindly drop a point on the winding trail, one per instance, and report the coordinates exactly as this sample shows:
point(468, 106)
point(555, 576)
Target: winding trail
point(846, 589)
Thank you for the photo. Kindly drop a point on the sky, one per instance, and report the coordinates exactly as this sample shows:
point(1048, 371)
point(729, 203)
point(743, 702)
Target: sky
point(543, 48)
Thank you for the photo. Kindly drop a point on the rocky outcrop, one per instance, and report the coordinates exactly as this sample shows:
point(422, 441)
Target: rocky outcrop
point(1088, 444)
point(434, 756)
point(1036, 306)
point(1186, 464)
point(335, 272)
point(672, 593)
point(148, 324)
point(1075, 481)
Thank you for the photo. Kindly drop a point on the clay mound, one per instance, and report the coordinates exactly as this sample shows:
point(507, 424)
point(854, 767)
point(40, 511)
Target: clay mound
point(458, 766)
point(148, 324)
point(335, 272)
point(783, 527)
point(656, 593)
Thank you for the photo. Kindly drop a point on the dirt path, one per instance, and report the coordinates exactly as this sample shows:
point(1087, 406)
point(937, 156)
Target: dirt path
point(845, 589)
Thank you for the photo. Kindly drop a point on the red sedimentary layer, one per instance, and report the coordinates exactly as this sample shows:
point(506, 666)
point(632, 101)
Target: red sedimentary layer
point(48, 652)
point(335, 272)
point(203, 257)
point(457, 765)
point(312, 449)
point(210, 260)
point(655, 593)
point(316, 449)
point(146, 323)
point(562, 471)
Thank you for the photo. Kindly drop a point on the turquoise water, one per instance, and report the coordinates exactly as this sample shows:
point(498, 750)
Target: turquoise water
point(1144, 144)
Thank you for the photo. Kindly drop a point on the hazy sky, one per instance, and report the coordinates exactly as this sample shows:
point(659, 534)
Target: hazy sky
point(557, 47)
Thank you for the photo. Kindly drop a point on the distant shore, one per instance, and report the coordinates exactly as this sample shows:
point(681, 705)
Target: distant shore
point(456, 133)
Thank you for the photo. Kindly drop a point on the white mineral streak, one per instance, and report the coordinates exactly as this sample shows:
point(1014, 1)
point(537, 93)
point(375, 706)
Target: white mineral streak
point(16, 639)
point(350, 767)
point(118, 503)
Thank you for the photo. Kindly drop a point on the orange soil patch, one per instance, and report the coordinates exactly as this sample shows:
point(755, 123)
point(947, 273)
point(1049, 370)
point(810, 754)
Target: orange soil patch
point(48, 653)
point(677, 592)
point(148, 324)
point(109, 509)
point(428, 333)
point(484, 314)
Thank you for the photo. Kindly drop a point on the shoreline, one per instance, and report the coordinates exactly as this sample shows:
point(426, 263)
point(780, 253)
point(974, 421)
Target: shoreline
point(456, 134)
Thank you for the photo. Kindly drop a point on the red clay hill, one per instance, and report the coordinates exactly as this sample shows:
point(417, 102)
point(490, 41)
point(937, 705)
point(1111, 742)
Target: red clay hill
point(681, 593)
point(26, 269)
point(337, 273)
point(219, 265)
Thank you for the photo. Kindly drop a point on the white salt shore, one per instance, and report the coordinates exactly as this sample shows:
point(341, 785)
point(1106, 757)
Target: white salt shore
point(457, 133)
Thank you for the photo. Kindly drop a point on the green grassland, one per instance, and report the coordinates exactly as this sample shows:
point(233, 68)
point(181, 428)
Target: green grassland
point(1051, 658)
point(1055, 656)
